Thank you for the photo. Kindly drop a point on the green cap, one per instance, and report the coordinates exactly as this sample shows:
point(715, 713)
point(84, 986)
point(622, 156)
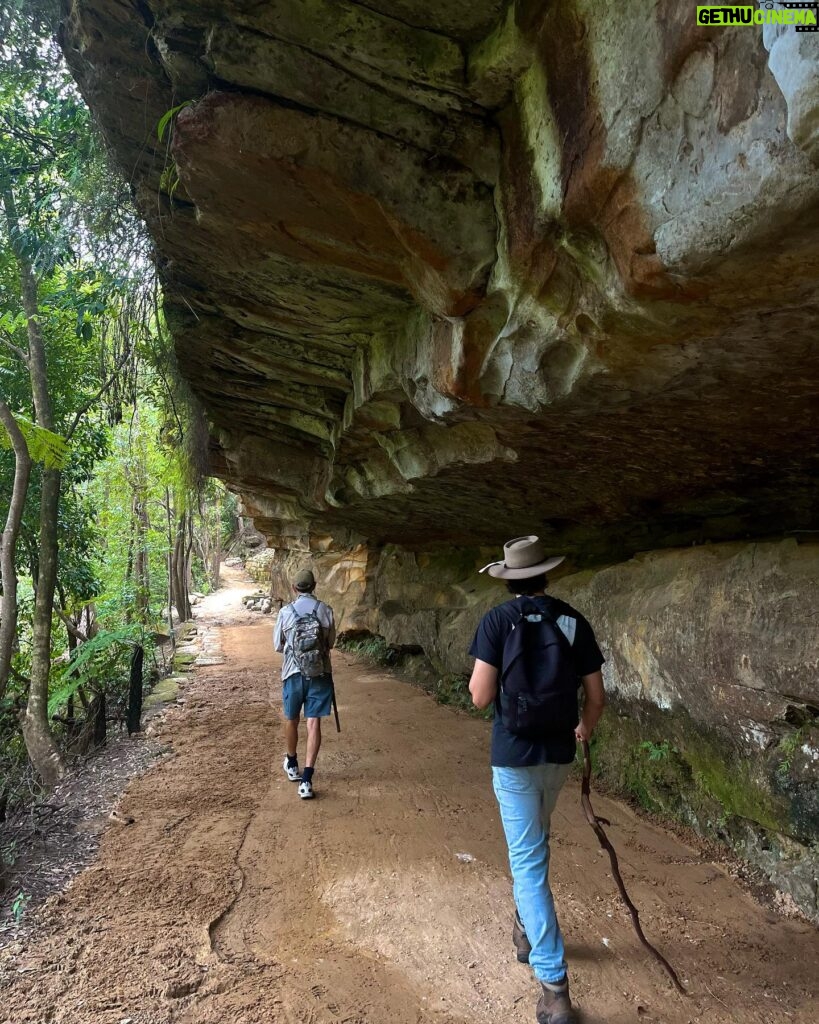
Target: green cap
point(305, 580)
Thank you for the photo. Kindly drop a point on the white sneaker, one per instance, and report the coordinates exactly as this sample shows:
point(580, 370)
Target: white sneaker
point(293, 772)
point(306, 790)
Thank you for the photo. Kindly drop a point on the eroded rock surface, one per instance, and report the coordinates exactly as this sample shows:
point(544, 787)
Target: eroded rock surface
point(711, 658)
point(437, 271)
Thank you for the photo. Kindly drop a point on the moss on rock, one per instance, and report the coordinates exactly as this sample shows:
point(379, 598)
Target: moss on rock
point(670, 764)
point(165, 691)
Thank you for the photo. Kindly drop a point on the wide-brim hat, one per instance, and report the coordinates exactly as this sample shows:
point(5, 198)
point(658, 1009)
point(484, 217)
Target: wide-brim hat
point(523, 557)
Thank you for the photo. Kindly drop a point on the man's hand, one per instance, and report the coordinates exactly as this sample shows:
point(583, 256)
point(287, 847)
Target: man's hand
point(582, 733)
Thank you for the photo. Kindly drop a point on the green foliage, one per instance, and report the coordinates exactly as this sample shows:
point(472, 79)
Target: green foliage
point(168, 117)
point(169, 180)
point(95, 661)
point(649, 771)
point(136, 437)
point(69, 233)
point(670, 764)
point(43, 445)
point(13, 759)
point(373, 648)
point(453, 690)
point(788, 746)
point(18, 905)
point(655, 751)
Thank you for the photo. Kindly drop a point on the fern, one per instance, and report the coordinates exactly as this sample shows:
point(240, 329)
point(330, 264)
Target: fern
point(96, 659)
point(43, 445)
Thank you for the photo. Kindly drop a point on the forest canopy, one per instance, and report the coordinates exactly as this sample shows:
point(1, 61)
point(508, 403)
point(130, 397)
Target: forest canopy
point(108, 523)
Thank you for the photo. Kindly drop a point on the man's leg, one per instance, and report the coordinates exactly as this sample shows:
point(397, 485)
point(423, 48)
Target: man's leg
point(291, 736)
point(317, 705)
point(292, 700)
point(313, 745)
point(313, 741)
point(526, 797)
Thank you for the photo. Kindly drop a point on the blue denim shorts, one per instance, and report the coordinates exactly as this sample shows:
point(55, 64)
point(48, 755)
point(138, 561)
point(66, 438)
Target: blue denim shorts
point(314, 695)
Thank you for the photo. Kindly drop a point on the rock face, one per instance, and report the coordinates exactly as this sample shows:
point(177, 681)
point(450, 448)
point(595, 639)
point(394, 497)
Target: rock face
point(446, 273)
point(711, 671)
point(440, 276)
point(723, 641)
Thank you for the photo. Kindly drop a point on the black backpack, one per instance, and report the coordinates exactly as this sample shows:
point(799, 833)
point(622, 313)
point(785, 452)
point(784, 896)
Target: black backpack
point(538, 681)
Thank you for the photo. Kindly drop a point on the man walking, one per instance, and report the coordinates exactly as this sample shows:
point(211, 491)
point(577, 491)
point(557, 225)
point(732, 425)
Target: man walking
point(532, 654)
point(305, 632)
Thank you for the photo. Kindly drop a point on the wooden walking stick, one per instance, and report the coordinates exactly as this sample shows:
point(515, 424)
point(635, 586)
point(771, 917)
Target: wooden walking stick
point(335, 706)
point(594, 821)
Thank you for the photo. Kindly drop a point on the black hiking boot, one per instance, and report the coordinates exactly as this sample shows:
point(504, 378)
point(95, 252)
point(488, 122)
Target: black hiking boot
point(555, 1007)
point(520, 941)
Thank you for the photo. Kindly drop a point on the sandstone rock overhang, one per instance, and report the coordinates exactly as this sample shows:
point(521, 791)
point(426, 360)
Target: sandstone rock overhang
point(440, 272)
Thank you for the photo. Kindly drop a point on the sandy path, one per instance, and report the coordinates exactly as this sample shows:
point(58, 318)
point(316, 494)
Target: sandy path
point(231, 901)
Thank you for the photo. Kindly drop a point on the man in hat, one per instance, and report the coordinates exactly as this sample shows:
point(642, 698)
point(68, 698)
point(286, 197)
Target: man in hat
point(532, 752)
point(305, 632)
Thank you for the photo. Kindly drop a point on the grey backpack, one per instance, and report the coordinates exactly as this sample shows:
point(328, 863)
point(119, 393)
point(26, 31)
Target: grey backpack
point(307, 642)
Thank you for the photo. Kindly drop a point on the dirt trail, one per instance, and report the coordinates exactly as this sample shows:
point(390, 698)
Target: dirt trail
point(231, 901)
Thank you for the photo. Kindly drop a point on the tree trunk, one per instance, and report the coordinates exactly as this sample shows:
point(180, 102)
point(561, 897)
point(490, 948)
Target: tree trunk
point(8, 569)
point(100, 724)
point(129, 571)
point(45, 757)
point(178, 588)
point(140, 526)
point(142, 582)
point(171, 589)
point(217, 551)
point(42, 750)
point(202, 538)
point(188, 559)
point(180, 567)
point(135, 692)
point(145, 524)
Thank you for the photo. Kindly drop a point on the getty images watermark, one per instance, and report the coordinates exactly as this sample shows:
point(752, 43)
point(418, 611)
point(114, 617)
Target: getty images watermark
point(803, 16)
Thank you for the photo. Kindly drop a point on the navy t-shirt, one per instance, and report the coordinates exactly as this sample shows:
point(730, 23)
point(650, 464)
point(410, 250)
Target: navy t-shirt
point(509, 750)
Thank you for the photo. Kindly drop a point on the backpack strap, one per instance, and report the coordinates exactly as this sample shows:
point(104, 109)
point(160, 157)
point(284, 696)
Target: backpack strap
point(292, 606)
point(312, 611)
point(516, 609)
point(520, 607)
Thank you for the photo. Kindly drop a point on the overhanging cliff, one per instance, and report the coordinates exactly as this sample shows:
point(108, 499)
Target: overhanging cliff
point(442, 272)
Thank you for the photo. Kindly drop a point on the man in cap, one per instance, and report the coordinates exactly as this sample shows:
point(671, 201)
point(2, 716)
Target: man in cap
point(305, 632)
point(552, 654)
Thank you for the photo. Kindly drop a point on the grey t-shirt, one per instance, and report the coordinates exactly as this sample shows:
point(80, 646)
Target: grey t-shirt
point(285, 621)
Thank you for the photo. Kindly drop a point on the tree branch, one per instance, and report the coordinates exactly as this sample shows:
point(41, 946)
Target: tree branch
point(19, 677)
point(8, 546)
point(95, 398)
point(75, 631)
point(20, 353)
point(26, 135)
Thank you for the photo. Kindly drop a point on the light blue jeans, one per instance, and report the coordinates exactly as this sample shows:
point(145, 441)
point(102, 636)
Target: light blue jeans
point(526, 797)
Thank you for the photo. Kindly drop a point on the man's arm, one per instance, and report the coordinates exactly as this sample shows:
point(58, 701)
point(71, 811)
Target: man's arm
point(484, 684)
point(278, 632)
point(595, 701)
point(331, 630)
